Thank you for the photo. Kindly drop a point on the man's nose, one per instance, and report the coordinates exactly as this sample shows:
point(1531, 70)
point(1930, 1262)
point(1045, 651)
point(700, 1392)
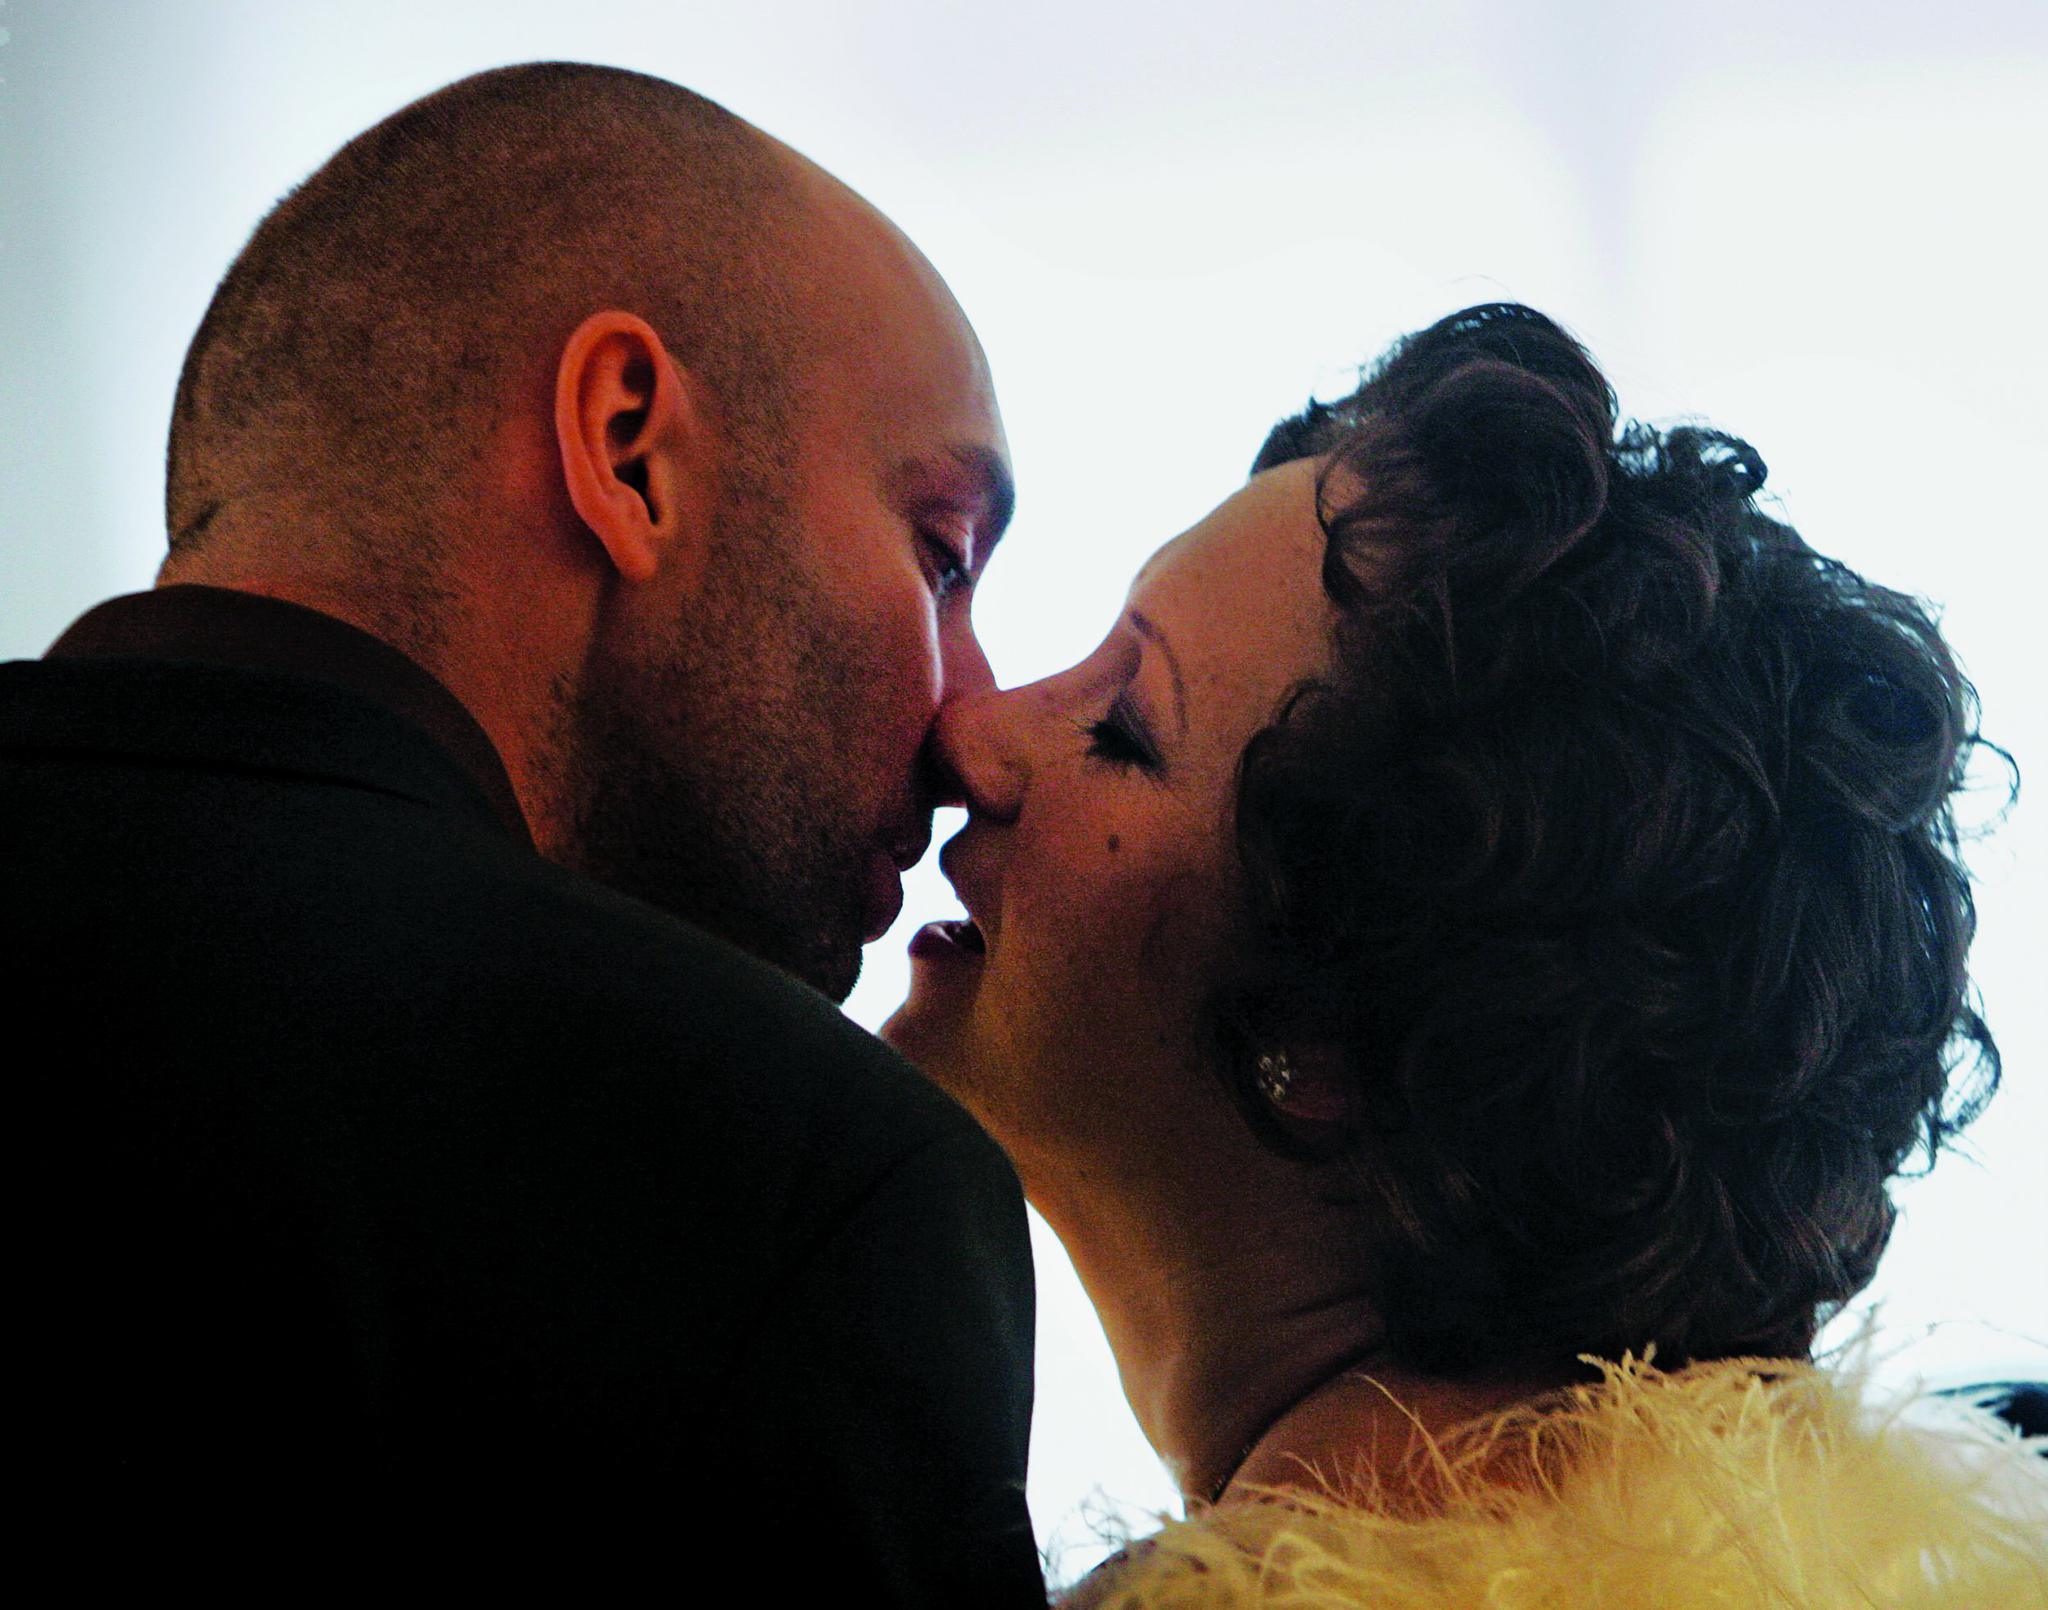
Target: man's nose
point(963, 666)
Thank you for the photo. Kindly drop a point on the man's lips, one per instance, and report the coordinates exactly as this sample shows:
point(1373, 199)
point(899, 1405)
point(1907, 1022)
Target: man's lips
point(883, 898)
point(908, 850)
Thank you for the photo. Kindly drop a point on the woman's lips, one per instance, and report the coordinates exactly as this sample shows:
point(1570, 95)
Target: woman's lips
point(957, 939)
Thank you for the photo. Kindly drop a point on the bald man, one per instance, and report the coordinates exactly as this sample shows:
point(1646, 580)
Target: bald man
point(575, 502)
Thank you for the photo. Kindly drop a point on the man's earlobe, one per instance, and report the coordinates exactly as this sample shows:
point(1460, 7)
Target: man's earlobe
point(637, 455)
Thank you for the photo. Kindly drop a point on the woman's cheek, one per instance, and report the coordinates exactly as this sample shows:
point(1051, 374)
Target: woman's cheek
point(1130, 925)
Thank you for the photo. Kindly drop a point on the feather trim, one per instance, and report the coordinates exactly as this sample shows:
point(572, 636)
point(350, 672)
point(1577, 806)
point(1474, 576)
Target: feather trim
point(1732, 1485)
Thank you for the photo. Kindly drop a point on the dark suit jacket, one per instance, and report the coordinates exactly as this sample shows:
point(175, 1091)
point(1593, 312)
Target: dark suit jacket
point(390, 1182)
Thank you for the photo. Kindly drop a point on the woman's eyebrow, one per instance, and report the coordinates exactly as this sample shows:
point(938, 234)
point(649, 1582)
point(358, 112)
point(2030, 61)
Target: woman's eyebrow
point(1146, 629)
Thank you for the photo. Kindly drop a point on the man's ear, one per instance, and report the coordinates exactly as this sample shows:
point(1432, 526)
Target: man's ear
point(639, 458)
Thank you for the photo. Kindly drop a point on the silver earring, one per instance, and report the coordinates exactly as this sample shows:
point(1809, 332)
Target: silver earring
point(1276, 1076)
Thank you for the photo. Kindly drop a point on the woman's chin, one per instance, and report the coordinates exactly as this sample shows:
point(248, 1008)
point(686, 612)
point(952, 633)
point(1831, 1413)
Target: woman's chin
point(945, 971)
point(923, 1029)
point(931, 1031)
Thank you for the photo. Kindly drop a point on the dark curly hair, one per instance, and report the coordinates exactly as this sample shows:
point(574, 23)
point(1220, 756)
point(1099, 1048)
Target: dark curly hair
point(1616, 858)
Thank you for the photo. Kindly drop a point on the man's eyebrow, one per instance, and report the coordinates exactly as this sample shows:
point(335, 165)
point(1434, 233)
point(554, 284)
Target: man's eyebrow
point(998, 491)
point(987, 478)
point(1146, 629)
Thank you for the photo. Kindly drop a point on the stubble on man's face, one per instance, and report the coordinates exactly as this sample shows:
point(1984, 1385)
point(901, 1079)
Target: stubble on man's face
point(716, 773)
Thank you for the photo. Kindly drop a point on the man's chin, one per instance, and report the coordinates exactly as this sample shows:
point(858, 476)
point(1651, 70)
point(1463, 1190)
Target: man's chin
point(829, 965)
point(833, 979)
point(827, 961)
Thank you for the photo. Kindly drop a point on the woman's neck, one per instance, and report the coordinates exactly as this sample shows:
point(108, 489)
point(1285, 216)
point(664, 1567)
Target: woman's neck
point(1369, 1432)
point(1221, 1320)
point(1249, 1353)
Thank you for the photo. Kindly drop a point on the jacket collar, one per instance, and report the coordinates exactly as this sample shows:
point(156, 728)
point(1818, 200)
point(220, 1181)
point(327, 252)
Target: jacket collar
point(213, 675)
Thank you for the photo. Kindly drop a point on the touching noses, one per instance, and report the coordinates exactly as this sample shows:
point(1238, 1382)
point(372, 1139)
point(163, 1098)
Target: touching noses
point(975, 743)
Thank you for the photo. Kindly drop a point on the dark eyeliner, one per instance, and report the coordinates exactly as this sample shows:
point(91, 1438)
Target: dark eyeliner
point(1122, 737)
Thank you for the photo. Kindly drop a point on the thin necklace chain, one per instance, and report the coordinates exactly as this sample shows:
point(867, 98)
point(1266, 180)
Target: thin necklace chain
point(1342, 1368)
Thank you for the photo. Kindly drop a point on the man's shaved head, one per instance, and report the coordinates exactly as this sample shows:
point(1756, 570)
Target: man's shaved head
point(666, 452)
point(355, 356)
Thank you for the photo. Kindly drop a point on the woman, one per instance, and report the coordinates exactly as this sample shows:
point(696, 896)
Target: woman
point(1491, 904)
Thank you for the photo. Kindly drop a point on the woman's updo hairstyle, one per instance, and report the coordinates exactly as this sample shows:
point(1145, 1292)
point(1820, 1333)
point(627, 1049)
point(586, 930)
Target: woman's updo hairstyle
point(1616, 863)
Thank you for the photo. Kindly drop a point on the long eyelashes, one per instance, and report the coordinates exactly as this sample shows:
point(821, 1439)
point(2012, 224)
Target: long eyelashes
point(1121, 738)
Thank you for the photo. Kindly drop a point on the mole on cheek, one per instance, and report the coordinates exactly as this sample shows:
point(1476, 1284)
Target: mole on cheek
point(1113, 844)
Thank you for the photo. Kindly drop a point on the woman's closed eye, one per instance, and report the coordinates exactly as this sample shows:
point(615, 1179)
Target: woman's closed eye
point(1122, 738)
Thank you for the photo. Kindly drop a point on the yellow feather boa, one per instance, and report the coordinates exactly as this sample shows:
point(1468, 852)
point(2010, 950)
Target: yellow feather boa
point(1739, 1485)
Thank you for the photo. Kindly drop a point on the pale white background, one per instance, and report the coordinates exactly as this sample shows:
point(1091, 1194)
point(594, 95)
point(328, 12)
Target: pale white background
point(1821, 225)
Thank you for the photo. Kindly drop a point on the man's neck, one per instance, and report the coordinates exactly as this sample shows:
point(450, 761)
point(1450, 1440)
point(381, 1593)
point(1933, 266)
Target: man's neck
point(504, 664)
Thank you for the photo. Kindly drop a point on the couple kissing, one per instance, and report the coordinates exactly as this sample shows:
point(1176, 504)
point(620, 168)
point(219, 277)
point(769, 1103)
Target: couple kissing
point(1459, 966)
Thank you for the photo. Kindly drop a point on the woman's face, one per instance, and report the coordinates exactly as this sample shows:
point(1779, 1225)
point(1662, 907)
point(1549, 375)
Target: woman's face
point(1098, 864)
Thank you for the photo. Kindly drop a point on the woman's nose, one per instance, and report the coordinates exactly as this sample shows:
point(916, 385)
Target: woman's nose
point(976, 747)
